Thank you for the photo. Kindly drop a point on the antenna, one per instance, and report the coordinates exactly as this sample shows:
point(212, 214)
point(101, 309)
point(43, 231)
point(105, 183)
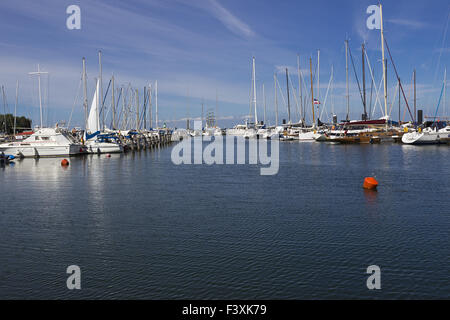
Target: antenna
point(39, 73)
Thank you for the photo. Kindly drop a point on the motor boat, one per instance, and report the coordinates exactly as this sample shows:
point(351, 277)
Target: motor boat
point(45, 142)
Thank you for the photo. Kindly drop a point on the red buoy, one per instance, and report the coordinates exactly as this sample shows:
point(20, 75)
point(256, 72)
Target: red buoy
point(108, 155)
point(64, 162)
point(370, 183)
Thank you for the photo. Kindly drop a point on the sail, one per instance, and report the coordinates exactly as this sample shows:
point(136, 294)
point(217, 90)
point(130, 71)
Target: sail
point(93, 122)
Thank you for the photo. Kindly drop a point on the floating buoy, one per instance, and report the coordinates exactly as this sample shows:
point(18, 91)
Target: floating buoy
point(64, 162)
point(370, 183)
point(108, 155)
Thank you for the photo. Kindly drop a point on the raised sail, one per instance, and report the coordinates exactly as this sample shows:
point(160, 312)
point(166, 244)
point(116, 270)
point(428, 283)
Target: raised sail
point(93, 122)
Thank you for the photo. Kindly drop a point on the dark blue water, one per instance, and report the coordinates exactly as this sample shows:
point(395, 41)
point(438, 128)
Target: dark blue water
point(140, 227)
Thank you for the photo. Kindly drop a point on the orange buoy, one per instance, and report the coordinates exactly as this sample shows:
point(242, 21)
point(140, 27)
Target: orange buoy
point(64, 162)
point(370, 183)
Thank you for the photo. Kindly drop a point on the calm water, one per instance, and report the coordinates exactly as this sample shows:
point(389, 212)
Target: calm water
point(140, 227)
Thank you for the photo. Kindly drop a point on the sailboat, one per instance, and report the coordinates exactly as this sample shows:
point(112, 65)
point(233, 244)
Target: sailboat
point(94, 140)
point(431, 134)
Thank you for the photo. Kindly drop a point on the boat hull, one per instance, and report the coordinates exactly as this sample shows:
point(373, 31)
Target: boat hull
point(27, 151)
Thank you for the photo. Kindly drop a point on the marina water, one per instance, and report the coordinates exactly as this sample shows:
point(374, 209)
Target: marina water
point(141, 227)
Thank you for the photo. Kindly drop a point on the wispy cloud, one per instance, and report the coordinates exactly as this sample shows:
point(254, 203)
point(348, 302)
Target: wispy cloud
point(408, 23)
point(229, 20)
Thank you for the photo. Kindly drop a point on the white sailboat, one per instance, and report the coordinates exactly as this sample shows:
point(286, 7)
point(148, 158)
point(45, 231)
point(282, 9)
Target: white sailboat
point(96, 142)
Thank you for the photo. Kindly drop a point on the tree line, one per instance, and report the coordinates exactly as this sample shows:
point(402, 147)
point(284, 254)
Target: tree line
point(7, 123)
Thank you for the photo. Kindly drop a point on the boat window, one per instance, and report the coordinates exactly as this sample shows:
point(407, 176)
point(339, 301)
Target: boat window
point(37, 138)
point(45, 138)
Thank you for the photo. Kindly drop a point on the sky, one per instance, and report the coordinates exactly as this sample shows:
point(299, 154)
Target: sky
point(201, 50)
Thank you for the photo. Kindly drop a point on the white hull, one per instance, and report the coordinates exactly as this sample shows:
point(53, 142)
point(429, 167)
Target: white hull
point(421, 138)
point(42, 151)
point(103, 147)
point(308, 136)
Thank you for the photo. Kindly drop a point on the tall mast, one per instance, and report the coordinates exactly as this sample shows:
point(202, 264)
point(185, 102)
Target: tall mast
point(203, 103)
point(123, 109)
point(445, 87)
point(312, 93)
point(217, 99)
point(38, 73)
point(100, 107)
point(264, 97)
point(137, 110)
point(276, 99)
point(346, 80)
point(15, 106)
point(156, 102)
point(384, 66)
point(113, 104)
point(414, 77)
point(300, 89)
point(399, 101)
point(318, 79)
point(288, 98)
point(254, 91)
point(150, 106)
point(364, 83)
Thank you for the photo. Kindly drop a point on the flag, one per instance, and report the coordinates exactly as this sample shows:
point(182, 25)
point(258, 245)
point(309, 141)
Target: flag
point(316, 101)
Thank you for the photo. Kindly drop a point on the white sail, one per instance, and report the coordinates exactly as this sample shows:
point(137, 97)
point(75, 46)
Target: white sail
point(93, 122)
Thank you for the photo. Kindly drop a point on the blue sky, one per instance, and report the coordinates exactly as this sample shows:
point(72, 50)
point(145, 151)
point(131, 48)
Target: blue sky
point(197, 48)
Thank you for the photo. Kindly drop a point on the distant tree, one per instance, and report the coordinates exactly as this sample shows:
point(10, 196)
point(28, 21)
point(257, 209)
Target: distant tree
point(7, 123)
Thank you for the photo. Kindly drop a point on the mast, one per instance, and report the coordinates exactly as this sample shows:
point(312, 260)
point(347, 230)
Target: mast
point(217, 98)
point(264, 97)
point(445, 87)
point(288, 98)
point(318, 81)
point(364, 83)
point(276, 99)
point(312, 93)
point(300, 89)
point(346, 80)
point(414, 77)
point(399, 102)
point(15, 106)
point(123, 109)
point(384, 66)
point(156, 102)
point(113, 105)
point(100, 106)
point(137, 109)
point(203, 102)
point(150, 106)
point(38, 73)
point(254, 91)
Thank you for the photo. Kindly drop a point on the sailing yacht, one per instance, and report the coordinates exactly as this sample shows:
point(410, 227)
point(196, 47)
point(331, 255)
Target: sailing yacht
point(95, 142)
point(426, 136)
point(45, 142)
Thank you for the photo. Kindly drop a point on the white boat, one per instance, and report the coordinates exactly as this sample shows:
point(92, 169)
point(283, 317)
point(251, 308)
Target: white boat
point(103, 145)
point(308, 135)
point(45, 142)
point(94, 142)
point(426, 136)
